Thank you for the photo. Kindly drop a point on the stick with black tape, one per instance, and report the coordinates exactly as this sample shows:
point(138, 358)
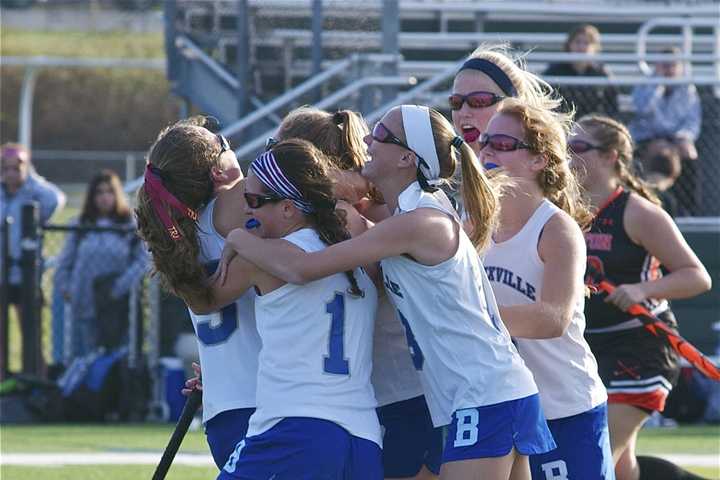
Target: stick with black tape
point(191, 406)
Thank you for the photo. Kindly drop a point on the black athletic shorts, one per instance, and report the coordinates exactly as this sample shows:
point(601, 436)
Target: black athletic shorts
point(637, 367)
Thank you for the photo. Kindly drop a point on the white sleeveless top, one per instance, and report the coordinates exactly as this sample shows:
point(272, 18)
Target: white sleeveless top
point(458, 340)
point(564, 368)
point(316, 356)
point(228, 341)
point(394, 377)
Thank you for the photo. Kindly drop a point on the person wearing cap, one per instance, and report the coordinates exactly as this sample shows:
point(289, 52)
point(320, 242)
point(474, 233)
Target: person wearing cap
point(20, 185)
point(475, 382)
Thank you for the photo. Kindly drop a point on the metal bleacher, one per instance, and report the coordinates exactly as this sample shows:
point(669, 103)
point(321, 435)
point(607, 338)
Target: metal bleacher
point(432, 35)
point(289, 55)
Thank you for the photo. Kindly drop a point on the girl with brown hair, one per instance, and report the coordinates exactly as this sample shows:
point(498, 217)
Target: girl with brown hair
point(192, 198)
point(473, 377)
point(536, 263)
point(630, 237)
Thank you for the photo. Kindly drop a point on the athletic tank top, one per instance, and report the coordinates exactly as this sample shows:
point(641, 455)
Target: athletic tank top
point(316, 356)
point(564, 368)
point(458, 341)
point(614, 255)
point(228, 341)
point(394, 377)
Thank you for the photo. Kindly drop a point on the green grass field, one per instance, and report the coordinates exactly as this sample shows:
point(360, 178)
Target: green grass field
point(152, 438)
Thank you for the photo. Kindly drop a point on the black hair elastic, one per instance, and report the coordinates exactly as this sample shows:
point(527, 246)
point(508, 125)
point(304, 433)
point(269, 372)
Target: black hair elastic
point(338, 118)
point(457, 141)
point(494, 72)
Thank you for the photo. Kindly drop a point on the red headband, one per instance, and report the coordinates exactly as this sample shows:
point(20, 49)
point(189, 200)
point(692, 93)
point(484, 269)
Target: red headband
point(160, 198)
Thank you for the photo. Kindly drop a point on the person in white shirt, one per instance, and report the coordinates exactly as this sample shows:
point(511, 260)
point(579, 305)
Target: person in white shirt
point(536, 265)
point(315, 414)
point(475, 381)
point(412, 447)
point(195, 170)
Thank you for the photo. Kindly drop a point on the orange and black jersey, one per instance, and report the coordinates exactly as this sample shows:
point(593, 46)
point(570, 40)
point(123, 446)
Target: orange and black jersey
point(619, 260)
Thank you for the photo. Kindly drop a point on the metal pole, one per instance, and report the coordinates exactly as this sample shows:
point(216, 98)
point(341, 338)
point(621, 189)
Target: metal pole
point(243, 57)
point(171, 50)
point(26, 106)
point(4, 305)
point(390, 31)
point(317, 25)
point(30, 266)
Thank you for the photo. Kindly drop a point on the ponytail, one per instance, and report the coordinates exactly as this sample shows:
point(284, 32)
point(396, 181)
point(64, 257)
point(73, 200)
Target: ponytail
point(331, 225)
point(479, 196)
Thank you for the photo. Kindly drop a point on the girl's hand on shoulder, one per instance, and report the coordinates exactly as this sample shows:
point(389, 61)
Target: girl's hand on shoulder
point(625, 296)
point(220, 274)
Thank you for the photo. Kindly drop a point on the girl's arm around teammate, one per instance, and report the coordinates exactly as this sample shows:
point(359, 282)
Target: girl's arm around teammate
point(562, 250)
point(418, 233)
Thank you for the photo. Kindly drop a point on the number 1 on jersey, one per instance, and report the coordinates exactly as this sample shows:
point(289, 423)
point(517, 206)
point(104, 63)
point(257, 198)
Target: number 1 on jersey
point(335, 361)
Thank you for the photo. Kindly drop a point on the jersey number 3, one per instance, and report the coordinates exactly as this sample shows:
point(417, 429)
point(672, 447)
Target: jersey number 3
point(335, 361)
point(219, 328)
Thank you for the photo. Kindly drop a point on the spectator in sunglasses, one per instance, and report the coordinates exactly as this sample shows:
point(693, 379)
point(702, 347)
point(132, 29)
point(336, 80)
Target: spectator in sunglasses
point(536, 265)
point(20, 185)
point(584, 99)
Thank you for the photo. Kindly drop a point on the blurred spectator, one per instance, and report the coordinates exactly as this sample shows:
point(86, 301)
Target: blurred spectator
point(662, 167)
point(668, 112)
point(586, 99)
point(19, 186)
point(97, 268)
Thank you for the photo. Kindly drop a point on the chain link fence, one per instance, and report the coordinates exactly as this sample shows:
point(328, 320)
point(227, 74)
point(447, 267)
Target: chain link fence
point(693, 188)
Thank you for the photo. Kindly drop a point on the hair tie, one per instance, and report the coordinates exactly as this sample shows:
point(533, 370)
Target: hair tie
point(457, 141)
point(160, 198)
point(338, 118)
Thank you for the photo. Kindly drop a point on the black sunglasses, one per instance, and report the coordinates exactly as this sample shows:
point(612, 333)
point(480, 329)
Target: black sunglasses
point(382, 134)
point(270, 142)
point(581, 146)
point(502, 143)
point(224, 145)
point(255, 200)
point(473, 100)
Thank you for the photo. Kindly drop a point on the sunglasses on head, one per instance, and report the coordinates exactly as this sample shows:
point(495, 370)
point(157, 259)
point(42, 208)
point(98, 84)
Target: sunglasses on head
point(473, 100)
point(382, 134)
point(270, 143)
point(502, 143)
point(581, 146)
point(255, 200)
point(224, 144)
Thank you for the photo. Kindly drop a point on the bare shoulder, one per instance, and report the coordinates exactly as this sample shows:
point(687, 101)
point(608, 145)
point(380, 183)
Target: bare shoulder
point(561, 235)
point(642, 217)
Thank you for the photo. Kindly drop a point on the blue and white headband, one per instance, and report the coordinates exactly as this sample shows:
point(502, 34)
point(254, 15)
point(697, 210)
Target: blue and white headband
point(266, 169)
point(419, 135)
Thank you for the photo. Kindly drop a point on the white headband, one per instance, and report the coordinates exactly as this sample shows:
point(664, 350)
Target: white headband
point(418, 131)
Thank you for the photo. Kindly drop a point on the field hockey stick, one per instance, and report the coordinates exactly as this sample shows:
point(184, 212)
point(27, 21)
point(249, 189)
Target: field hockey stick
point(191, 406)
point(660, 329)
